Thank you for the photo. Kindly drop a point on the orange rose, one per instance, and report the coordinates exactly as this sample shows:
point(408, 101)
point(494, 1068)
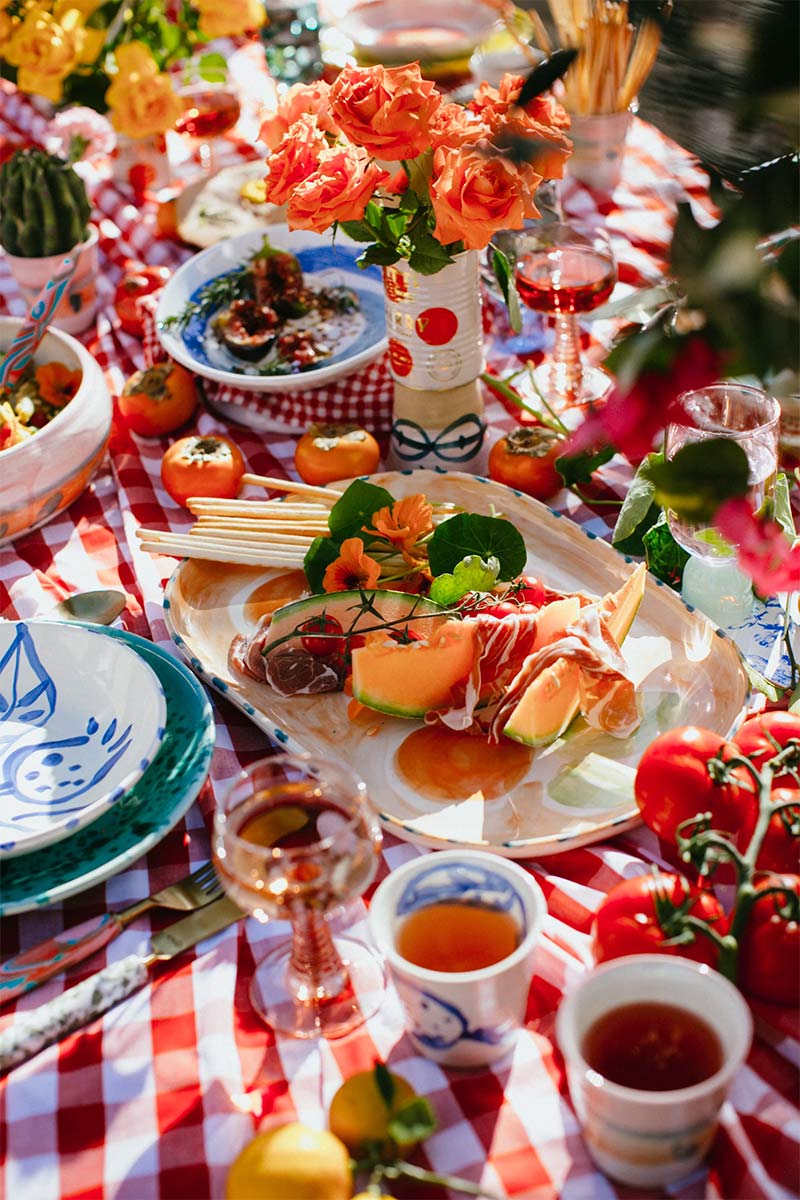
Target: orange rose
point(339, 190)
point(295, 159)
point(300, 100)
point(474, 195)
point(545, 108)
point(453, 125)
point(388, 111)
point(550, 148)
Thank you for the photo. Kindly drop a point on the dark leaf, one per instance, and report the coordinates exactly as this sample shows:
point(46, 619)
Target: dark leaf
point(700, 477)
point(504, 275)
point(543, 76)
point(319, 556)
point(355, 508)
point(470, 533)
point(385, 1084)
point(428, 256)
point(665, 558)
point(359, 231)
point(639, 511)
point(375, 255)
point(413, 1122)
point(578, 468)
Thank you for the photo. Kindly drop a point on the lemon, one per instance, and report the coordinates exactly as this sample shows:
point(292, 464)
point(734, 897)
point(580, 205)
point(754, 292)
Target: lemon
point(255, 191)
point(291, 1162)
point(358, 1113)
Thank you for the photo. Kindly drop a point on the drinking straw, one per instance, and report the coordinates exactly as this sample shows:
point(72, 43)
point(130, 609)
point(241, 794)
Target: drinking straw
point(24, 345)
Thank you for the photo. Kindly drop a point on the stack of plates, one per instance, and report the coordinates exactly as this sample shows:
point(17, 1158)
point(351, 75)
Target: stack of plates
point(105, 741)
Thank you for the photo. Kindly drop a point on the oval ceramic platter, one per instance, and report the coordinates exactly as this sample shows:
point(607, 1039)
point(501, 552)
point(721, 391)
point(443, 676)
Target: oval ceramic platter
point(443, 789)
point(81, 718)
point(144, 815)
point(355, 339)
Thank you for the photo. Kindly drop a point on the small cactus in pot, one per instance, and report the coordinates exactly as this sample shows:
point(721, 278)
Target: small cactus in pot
point(44, 208)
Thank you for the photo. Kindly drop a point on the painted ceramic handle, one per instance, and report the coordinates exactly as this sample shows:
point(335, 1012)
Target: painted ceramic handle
point(41, 1027)
point(25, 971)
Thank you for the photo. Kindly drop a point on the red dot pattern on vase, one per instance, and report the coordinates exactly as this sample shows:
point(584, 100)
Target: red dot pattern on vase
point(436, 326)
point(400, 357)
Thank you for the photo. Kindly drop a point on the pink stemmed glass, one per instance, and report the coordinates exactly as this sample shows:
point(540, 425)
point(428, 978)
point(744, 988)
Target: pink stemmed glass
point(296, 838)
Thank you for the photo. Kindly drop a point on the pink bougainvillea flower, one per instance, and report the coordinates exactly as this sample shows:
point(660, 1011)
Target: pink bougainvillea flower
point(294, 160)
point(387, 110)
point(352, 570)
point(339, 190)
point(764, 551)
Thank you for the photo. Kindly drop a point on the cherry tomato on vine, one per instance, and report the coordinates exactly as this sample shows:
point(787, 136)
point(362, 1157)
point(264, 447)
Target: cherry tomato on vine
point(202, 466)
point(673, 785)
point(137, 281)
point(328, 452)
point(525, 459)
point(754, 740)
point(317, 639)
point(769, 947)
point(158, 400)
point(780, 850)
point(640, 915)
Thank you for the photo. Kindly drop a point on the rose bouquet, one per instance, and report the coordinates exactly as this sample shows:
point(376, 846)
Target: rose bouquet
point(115, 56)
point(381, 154)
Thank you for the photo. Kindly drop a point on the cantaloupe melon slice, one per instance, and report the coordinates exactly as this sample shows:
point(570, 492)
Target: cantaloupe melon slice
point(409, 680)
point(551, 702)
point(356, 611)
point(553, 618)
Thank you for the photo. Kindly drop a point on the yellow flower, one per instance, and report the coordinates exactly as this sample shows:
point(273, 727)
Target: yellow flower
point(229, 18)
point(45, 51)
point(93, 39)
point(141, 98)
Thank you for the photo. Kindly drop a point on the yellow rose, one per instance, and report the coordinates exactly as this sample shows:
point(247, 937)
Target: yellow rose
point(142, 99)
point(229, 18)
point(93, 39)
point(45, 51)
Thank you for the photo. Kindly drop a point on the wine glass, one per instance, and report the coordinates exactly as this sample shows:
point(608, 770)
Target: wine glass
point(712, 580)
point(295, 837)
point(212, 108)
point(566, 268)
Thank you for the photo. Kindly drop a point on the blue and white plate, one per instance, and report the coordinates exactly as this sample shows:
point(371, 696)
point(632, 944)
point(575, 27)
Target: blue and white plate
point(81, 718)
point(144, 815)
point(325, 263)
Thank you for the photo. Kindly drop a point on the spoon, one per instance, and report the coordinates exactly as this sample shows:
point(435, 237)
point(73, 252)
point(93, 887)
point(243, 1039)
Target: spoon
point(97, 608)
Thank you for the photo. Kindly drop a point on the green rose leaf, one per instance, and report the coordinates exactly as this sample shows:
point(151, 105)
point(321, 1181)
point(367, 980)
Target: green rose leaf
point(375, 255)
point(319, 556)
point(472, 574)
point(469, 534)
point(413, 1122)
point(639, 511)
point(504, 275)
point(356, 508)
point(359, 231)
point(578, 468)
point(700, 477)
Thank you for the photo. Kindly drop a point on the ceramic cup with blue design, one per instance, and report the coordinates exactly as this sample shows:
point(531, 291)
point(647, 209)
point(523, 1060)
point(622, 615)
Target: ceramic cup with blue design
point(461, 1018)
point(651, 1138)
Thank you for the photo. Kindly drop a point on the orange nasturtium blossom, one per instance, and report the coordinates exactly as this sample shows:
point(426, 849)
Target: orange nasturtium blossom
point(141, 98)
point(404, 523)
point(352, 570)
point(56, 383)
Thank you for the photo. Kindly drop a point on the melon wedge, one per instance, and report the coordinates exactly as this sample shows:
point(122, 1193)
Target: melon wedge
point(363, 611)
point(409, 680)
point(551, 702)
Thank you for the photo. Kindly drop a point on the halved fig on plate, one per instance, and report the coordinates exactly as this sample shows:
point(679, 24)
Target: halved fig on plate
point(247, 329)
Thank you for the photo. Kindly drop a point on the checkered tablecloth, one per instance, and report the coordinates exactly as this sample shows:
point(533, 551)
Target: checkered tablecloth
point(157, 1098)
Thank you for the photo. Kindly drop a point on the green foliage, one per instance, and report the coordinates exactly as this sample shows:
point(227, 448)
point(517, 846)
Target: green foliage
point(488, 537)
point(665, 558)
point(355, 508)
point(472, 574)
point(578, 468)
point(44, 208)
point(639, 510)
point(700, 477)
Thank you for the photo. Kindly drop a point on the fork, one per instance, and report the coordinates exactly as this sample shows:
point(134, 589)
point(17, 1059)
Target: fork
point(27, 970)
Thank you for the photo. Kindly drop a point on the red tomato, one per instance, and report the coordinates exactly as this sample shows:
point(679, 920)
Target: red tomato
point(769, 948)
point(158, 400)
point(531, 591)
point(524, 459)
point(673, 784)
point(139, 281)
point(780, 850)
point(315, 640)
point(202, 466)
point(754, 740)
point(328, 452)
point(640, 915)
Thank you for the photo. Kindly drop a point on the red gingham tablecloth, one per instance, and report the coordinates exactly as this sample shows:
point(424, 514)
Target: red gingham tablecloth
point(157, 1098)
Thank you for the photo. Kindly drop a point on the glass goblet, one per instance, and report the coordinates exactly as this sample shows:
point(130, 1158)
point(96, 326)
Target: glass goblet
point(566, 269)
point(295, 838)
point(712, 580)
point(211, 109)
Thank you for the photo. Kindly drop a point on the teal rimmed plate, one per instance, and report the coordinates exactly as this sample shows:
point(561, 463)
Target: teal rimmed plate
point(143, 816)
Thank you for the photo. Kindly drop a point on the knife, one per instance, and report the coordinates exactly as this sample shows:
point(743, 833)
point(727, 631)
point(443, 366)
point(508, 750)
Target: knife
point(41, 1027)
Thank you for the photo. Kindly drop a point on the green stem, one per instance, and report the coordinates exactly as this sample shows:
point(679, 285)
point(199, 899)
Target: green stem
point(787, 641)
point(573, 487)
point(454, 1182)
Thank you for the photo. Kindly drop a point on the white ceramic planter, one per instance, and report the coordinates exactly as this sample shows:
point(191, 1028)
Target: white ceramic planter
point(78, 306)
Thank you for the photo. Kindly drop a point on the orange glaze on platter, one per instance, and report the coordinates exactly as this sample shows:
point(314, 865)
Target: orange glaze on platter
point(444, 764)
point(273, 594)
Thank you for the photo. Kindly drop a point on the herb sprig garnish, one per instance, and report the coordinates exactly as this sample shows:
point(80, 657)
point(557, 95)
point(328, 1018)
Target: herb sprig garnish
point(217, 293)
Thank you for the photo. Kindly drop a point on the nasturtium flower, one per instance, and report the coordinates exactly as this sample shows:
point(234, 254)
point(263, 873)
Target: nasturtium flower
point(404, 522)
point(353, 570)
point(56, 383)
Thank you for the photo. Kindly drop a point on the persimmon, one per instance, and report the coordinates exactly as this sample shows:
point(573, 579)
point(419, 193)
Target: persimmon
point(203, 466)
point(328, 452)
point(158, 400)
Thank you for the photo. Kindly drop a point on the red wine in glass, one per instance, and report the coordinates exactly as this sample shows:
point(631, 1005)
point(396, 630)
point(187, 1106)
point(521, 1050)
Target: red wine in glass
point(564, 269)
point(209, 113)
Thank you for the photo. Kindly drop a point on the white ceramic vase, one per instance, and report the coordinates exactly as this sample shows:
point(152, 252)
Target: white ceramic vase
point(436, 357)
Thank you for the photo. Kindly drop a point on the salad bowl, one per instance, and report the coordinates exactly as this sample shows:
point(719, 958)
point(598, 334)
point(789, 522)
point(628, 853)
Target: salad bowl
point(43, 474)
